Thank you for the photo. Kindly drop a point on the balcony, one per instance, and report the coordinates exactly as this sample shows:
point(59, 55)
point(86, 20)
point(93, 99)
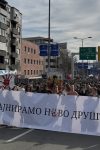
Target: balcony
point(15, 19)
point(15, 31)
point(2, 53)
point(3, 39)
point(14, 42)
point(4, 12)
point(14, 15)
point(3, 26)
point(8, 23)
point(2, 66)
point(3, 3)
point(14, 66)
point(14, 54)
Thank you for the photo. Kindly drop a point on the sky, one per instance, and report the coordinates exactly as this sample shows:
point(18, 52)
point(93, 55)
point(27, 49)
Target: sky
point(69, 18)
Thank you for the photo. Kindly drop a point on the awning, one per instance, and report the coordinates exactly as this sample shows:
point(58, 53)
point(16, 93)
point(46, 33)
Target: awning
point(39, 77)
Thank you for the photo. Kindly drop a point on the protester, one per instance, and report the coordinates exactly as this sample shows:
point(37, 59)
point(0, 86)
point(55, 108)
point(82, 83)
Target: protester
point(82, 87)
point(70, 90)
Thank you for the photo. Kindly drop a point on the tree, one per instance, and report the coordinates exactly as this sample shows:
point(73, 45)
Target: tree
point(64, 62)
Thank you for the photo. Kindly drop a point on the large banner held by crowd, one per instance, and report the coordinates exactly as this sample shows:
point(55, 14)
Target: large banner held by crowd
point(72, 114)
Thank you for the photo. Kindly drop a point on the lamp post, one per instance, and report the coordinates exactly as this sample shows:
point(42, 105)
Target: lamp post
point(49, 38)
point(82, 40)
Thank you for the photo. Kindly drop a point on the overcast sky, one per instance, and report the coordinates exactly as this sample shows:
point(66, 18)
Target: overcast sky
point(69, 18)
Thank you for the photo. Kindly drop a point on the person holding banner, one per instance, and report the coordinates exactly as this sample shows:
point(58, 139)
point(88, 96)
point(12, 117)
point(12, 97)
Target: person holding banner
point(70, 90)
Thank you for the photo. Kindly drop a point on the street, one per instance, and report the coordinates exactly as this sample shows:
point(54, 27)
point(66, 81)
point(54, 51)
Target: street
point(30, 139)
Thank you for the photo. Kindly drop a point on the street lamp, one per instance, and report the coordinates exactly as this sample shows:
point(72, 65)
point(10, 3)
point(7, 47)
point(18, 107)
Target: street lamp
point(82, 39)
point(49, 38)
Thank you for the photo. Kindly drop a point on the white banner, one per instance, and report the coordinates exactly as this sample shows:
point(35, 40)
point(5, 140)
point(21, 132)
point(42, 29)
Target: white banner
point(73, 114)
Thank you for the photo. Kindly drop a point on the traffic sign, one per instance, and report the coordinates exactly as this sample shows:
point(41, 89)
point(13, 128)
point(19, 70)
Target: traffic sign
point(82, 65)
point(43, 50)
point(54, 49)
point(87, 53)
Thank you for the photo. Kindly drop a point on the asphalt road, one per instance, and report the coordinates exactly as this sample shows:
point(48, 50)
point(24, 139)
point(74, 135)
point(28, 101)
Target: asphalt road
point(30, 139)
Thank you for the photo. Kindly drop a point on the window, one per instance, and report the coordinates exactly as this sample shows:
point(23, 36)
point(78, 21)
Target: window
point(31, 61)
point(37, 72)
point(2, 19)
point(31, 72)
point(2, 59)
point(34, 51)
point(31, 50)
point(28, 72)
point(25, 49)
point(25, 60)
point(3, 33)
point(34, 72)
point(8, 23)
point(28, 61)
point(24, 72)
point(37, 62)
point(34, 61)
point(28, 49)
point(8, 9)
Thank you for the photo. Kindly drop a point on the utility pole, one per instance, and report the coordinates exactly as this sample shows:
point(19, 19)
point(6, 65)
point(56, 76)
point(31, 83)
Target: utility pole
point(49, 38)
point(82, 40)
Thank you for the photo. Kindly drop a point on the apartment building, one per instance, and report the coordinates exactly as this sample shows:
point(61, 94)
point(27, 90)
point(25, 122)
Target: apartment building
point(10, 36)
point(31, 62)
point(43, 40)
point(38, 40)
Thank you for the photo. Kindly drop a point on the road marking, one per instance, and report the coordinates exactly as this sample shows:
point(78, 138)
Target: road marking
point(91, 146)
point(18, 136)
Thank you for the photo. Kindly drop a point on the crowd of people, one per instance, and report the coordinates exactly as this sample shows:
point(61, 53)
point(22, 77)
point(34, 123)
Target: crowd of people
point(83, 87)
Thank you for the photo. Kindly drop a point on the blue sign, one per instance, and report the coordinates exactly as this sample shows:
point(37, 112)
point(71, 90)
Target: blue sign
point(82, 65)
point(85, 65)
point(43, 50)
point(54, 50)
point(94, 71)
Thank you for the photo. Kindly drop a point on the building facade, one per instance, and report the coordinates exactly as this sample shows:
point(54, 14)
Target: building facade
point(38, 40)
point(43, 40)
point(57, 65)
point(10, 36)
point(31, 62)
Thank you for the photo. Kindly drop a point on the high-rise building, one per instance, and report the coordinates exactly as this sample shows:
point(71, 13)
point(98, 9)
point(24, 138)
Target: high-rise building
point(10, 36)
